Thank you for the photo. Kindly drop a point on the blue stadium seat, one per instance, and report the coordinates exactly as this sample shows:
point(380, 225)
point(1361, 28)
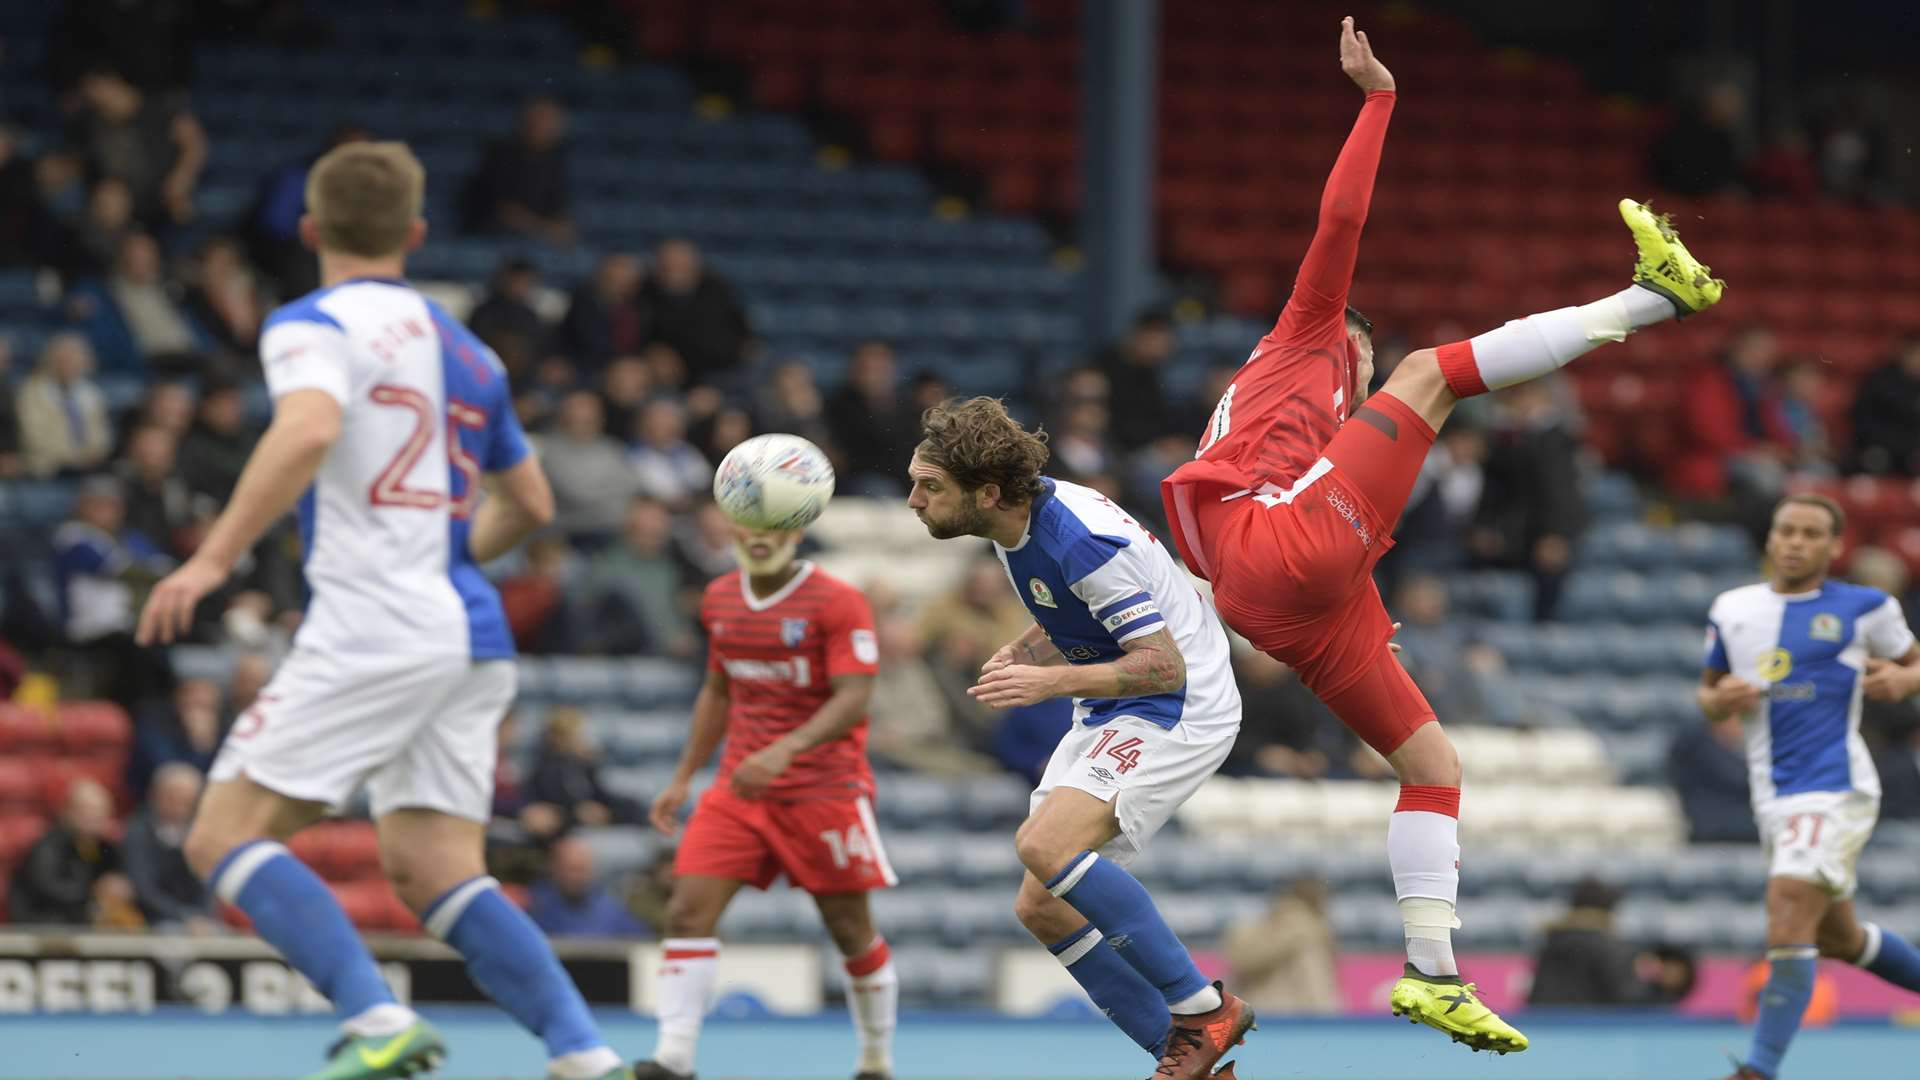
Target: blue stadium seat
point(912, 801)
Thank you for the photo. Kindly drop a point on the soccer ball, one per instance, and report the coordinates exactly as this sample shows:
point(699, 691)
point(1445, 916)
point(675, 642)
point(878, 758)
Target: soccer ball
point(774, 482)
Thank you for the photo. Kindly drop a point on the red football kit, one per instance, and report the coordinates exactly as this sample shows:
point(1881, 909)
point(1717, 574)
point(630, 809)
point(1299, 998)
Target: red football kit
point(1293, 494)
point(780, 655)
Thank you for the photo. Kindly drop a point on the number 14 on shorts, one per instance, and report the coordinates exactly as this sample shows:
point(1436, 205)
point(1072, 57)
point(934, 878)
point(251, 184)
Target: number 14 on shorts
point(1126, 751)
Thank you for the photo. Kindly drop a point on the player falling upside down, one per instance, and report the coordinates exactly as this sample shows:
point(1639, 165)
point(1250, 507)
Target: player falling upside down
point(790, 667)
point(1297, 485)
point(388, 414)
point(1790, 659)
point(1121, 630)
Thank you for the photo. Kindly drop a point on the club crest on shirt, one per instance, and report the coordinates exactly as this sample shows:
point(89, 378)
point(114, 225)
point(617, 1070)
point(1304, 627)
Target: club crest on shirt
point(792, 632)
point(1826, 627)
point(1041, 594)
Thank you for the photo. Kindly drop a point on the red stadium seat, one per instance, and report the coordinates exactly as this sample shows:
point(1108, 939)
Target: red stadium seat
point(18, 832)
point(94, 727)
point(19, 787)
point(25, 730)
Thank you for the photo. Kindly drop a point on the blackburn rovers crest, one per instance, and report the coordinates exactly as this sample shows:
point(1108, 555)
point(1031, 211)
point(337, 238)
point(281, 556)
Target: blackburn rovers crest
point(792, 632)
point(1041, 594)
point(1825, 627)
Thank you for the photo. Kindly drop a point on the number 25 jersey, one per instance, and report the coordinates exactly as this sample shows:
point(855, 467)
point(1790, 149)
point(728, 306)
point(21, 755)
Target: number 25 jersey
point(425, 411)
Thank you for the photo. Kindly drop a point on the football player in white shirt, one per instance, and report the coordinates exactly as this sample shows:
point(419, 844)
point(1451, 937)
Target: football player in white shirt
point(1121, 629)
point(1790, 659)
point(388, 418)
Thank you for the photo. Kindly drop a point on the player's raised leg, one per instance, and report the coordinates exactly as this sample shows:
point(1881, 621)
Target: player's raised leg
point(873, 987)
point(1121, 993)
point(237, 844)
point(436, 864)
point(689, 966)
point(1059, 844)
point(1869, 946)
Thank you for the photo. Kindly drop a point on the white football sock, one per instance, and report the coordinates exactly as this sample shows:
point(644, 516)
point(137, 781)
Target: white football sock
point(1423, 849)
point(873, 999)
point(584, 1064)
point(688, 967)
point(1540, 344)
point(1204, 1000)
point(383, 1019)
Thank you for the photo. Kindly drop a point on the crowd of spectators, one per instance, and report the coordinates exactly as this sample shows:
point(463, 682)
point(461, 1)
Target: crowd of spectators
point(1715, 144)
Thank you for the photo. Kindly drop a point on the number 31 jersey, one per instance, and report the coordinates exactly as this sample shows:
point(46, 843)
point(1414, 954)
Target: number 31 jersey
point(425, 412)
point(780, 654)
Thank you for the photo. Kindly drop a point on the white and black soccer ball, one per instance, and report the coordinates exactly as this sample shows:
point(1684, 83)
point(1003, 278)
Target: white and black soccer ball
point(774, 482)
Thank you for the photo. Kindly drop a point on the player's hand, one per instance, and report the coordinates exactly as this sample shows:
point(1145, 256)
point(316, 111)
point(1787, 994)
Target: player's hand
point(1015, 685)
point(1394, 646)
point(756, 774)
point(664, 815)
point(1358, 61)
point(169, 611)
point(1887, 681)
point(1734, 696)
point(1005, 656)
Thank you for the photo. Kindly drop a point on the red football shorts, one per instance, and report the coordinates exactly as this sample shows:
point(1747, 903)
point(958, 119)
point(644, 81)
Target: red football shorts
point(828, 845)
point(1293, 570)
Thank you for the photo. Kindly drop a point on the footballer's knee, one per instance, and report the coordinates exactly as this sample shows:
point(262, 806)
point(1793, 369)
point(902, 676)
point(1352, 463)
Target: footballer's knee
point(690, 916)
point(849, 924)
point(1420, 385)
point(1046, 917)
point(1844, 943)
point(1427, 759)
point(1041, 852)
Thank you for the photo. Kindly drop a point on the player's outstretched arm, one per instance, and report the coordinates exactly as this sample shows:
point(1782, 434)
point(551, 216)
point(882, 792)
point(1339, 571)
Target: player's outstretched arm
point(1152, 665)
point(835, 718)
point(284, 461)
point(1032, 647)
point(709, 727)
point(520, 504)
point(1326, 274)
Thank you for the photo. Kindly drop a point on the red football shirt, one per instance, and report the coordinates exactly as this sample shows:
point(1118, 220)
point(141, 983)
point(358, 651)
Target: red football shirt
point(1299, 385)
point(780, 655)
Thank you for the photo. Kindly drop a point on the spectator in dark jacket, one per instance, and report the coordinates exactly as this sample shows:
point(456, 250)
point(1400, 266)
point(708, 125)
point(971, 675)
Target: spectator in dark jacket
point(157, 148)
point(159, 503)
point(521, 185)
point(184, 730)
point(567, 775)
point(72, 876)
point(273, 223)
point(217, 445)
point(1733, 435)
point(604, 318)
point(508, 308)
point(1583, 961)
point(569, 902)
point(1531, 510)
point(873, 426)
point(170, 894)
point(1886, 414)
point(1701, 153)
point(1708, 767)
point(694, 311)
point(1134, 371)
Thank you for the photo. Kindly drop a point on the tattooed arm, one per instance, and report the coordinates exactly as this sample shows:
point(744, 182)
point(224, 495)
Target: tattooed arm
point(1032, 647)
point(1152, 665)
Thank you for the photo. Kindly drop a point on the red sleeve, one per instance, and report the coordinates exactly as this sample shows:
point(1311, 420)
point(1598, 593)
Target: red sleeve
point(852, 646)
point(706, 624)
point(1326, 274)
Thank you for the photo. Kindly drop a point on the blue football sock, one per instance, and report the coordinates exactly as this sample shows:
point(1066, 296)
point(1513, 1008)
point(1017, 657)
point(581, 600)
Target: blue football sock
point(1118, 904)
point(293, 911)
point(1781, 1004)
point(511, 961)
point(1123, 994)
point(1891, 957)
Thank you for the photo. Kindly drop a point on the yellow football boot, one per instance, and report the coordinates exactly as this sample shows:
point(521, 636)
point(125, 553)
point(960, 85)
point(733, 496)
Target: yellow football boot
point(1665, 265)
point(1444, 1003)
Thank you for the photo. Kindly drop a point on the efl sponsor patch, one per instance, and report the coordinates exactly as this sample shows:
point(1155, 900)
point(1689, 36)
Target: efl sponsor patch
point(1121, 618)
point(866, 648)
point(1826, 627)
point(792, 632)
point(1041, 594)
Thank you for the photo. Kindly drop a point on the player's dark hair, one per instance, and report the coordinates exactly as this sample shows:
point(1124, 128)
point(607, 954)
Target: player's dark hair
point(1832, 508)
point(977, 443)
point(364, 197)
point(1357, 321)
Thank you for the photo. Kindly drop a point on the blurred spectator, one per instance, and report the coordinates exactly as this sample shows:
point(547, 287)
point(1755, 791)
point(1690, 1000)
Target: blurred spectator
point(727, 428)
point(273, 224)
point(521, 184)
point(703, 540)
point(535, 598)
point(508, 309)
point(1434, 530)
point(63, 414)
point(1802, 387)
point(566, 776)
point(185, 731)
point(1852, 151)
point(91, 246)
point(102, 564)
point(625, 388)
point(159, 503)
point(1886, 414)
point(981, 609)
point(226, 300)
point(873, 427)
point(157, 148)
point(924, 391)
point(1670, 972)
point(1708, 768)
point(1079, 437)
point(1700, 153)
point(1284, 730)
point(1583, 961)
point(12, 463)
point(72, 876)
point(603, 319)
point(134, 319)
point(23, 218)
point(912, 725)
point(1024, 737)
point(216, 447)
point(1531, 510)
point(171, 895)
point(1445, 663)
point(791, 402)
point(1785, 166)
point(1137, 393)
point(148, 43)
point(669, 469)
point(1899, 766)
point(167, 406)
point(592, 481)
point(628, 600)
point(249, 675)
point(1283, 959)
point(693, 310)
point(569, 902)
point(1732, 432)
